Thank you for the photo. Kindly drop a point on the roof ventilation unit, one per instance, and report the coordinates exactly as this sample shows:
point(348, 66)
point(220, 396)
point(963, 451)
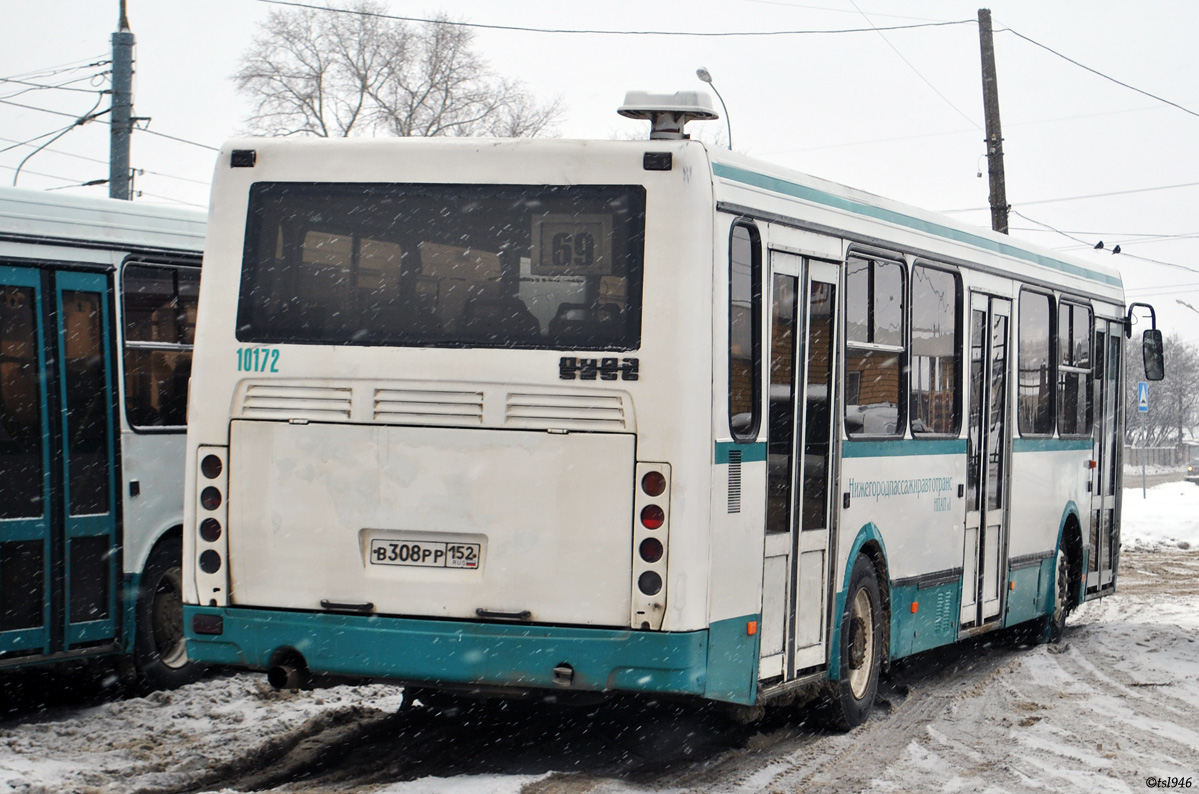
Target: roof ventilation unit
point(668, 113)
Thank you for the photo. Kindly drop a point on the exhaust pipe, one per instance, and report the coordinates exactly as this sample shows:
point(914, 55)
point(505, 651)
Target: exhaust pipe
point(286, 676)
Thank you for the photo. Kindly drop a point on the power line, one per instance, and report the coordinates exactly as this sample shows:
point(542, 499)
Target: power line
point(1091, 245)
point(180, 140)
point(96, 159)
point(79, 122)
point(31, 141)
point(1088, 196)
point(50, 71)
point(1101, 74)
point(927, 82)
point(600, 32)
point(63, 86)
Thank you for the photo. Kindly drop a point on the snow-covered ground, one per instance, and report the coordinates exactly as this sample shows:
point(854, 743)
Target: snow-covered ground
point(1116, 703)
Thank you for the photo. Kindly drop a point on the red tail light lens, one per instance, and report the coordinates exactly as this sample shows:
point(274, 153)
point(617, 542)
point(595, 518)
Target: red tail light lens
point(651, 549)
point(652, 517)
point(653, 483)
point(210, 498)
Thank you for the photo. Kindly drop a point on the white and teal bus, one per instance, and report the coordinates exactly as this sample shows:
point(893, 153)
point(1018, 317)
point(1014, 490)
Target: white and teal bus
point(96, 330)
point(631, 416)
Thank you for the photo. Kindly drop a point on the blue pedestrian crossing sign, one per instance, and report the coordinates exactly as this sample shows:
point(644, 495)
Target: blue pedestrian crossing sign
point(1143, 397)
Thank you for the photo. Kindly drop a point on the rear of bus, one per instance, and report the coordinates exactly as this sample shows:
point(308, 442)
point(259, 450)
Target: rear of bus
point(439, 391)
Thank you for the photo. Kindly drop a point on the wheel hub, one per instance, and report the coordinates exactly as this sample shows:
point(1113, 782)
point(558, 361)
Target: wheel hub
point(857, 643)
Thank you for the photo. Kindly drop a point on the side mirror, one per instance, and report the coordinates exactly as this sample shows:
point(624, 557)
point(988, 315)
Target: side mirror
point(1151, 352)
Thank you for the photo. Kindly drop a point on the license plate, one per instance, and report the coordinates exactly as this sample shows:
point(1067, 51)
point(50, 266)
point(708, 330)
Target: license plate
point(424, 553)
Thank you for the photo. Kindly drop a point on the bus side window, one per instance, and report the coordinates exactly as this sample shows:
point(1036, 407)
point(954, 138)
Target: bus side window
point(160, 328)
point(1075, 414)
point(874, 347)
point(745, 320)
point(1034, 384)
point(935, 402)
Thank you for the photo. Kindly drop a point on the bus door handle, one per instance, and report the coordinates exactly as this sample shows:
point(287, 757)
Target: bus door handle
point(338, 606)
point(524, 615)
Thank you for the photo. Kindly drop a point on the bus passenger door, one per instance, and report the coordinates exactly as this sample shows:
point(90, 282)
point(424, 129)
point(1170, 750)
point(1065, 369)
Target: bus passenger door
point(985, 538)
point(816, 467)
point(799, 455)
point(89, 575)
point(25, 570)
point(783, 334)
point(58, 572)
point(1105, 539)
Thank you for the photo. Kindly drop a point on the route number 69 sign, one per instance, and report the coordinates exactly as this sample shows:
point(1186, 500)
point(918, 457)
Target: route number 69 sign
point(572, 245)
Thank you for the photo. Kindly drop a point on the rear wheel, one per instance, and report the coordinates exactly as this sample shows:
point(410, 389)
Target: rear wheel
point(160, 653)
point(861, 648)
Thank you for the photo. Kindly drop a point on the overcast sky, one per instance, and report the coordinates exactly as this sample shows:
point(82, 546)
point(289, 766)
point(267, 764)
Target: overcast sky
point(895, 112)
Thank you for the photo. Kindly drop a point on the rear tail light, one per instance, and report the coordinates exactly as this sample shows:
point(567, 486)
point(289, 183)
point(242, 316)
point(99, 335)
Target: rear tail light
point(651, 509)
point(651, 549)
point(653, 483)
point(652, 516)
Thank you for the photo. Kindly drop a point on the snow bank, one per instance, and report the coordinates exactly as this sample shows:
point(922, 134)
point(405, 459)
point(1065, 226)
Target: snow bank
point(1166, 515)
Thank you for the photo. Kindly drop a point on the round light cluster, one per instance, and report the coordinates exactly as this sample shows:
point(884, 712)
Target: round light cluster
point(211, 499)
point(653, 484)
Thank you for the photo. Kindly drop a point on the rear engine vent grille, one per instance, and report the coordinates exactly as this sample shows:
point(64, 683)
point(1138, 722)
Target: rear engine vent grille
point(414, 406)
point(569, 411)
point(317, 403)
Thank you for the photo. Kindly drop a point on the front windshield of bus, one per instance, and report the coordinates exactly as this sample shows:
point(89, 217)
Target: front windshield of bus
point(432, 265)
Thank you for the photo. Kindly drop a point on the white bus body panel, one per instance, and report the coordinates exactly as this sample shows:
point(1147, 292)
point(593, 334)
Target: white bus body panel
point(550, 514)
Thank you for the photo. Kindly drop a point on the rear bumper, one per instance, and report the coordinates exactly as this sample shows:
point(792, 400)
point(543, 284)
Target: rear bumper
point(718, 663)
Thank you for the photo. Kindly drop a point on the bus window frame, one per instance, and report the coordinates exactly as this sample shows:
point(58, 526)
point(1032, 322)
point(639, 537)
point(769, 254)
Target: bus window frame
point(1089, 371)
point(126, 344)
point(1052, 334)
point(749, 434)
point(902, 349)
point(958, 341)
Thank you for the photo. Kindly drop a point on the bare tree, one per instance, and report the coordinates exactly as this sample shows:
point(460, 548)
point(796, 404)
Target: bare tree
point(337, 74)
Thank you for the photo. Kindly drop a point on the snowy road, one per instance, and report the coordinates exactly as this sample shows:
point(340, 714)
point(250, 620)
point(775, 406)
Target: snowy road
point(1115, 703)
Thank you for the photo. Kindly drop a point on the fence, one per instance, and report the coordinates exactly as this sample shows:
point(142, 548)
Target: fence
point(1156, 456)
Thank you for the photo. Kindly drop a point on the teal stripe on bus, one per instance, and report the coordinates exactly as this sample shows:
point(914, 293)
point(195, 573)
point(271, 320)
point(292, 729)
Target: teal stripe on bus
point(806, 193)
point(902, 447)
point(749, 452)
point(1052, 444)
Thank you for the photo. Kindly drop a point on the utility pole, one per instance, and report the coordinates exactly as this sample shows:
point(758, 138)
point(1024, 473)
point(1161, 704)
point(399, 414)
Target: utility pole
point(999, 205)
point(122, 109)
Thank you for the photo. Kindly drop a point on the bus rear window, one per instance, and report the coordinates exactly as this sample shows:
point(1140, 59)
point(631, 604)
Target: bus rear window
point(554, 267)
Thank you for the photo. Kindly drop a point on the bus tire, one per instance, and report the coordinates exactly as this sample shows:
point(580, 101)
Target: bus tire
point(159, 652)
point(1055, 621)
point(861, 648)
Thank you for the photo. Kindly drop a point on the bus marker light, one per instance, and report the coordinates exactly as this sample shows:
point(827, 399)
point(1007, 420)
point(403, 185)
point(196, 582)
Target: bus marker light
point(915, 607)
point(653, 483)
point(1011, 585)
point(210, 562)
point(210, 530)
point(652, 516)
point(210, 498)
point(649, 583)
point(751, 628)
point(211, 466)
point(1090, 464)
point(651, 549)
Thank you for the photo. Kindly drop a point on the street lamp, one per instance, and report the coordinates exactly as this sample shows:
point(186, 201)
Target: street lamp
point(706, 76)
